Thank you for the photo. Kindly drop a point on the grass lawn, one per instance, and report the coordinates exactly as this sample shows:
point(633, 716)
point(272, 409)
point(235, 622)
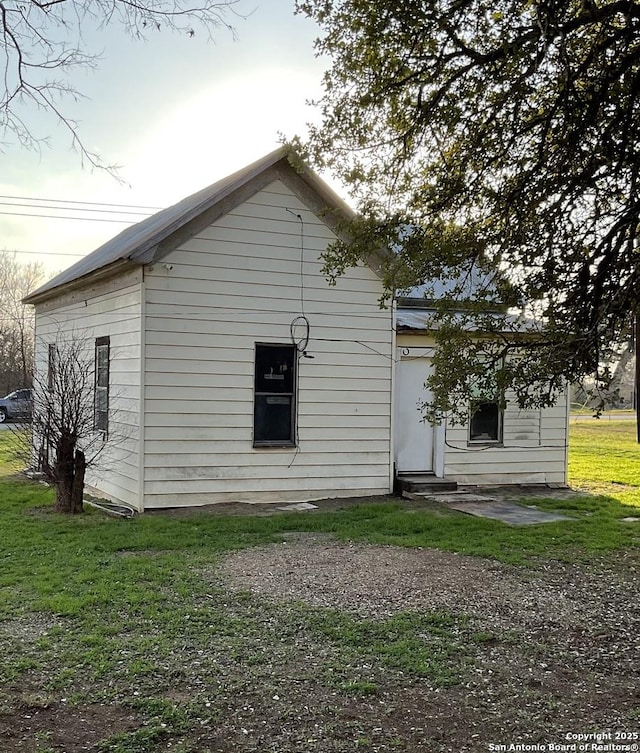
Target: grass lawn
point(605, 458)
point(104, 619)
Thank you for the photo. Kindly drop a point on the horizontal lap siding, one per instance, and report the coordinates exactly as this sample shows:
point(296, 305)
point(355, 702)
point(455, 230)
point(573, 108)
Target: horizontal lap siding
point(236, 283)
point(262, 493)
point(113, 309)
point(210, 465)
point(534, 441)
point(180, 446)
point(533, 451)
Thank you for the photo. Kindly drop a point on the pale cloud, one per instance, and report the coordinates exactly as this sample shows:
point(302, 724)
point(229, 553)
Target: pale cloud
point(176, 118)
point(222, 129)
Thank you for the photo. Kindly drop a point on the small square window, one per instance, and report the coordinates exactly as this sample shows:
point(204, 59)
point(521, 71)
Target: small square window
point(486, 421)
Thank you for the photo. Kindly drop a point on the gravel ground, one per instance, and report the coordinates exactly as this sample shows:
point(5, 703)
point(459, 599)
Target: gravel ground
point(560, 653)
point(537, 656)
point(378, 581)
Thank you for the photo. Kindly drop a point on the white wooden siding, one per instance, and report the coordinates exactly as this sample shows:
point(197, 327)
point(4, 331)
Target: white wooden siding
point(113, 309)
point(240, 282)
point(533, 450)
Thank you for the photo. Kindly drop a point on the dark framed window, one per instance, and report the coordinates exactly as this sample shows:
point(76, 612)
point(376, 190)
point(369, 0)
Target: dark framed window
point(487, 403)
point(52, 365)
point(101, 395)
point(486, 421)
point(274, 395)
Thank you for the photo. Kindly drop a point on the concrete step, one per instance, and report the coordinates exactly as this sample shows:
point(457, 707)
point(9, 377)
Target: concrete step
point(424, 482)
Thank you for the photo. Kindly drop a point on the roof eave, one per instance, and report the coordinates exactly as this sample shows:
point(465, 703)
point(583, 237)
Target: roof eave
point(98, 275)
point(454, 305)
point(525, 336)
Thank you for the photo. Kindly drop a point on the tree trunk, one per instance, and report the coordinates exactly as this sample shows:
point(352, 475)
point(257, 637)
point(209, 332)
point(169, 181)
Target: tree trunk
point(64, 473)
point(79, 468)
point(70, 468)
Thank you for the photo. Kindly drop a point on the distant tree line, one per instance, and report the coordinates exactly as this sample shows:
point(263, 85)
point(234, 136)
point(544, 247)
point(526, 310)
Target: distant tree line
point(16, 321)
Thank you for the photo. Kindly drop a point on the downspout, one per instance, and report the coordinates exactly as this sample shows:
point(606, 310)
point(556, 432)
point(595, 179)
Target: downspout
point(567, 392)
point(141, 396)
point(392, 392)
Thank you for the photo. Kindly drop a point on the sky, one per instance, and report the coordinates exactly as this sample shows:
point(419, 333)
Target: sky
point(176, 113)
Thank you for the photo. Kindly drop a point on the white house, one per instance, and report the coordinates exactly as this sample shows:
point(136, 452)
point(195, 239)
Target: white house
point(228, 369)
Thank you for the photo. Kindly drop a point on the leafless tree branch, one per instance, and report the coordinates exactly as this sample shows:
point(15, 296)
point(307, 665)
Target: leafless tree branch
point(37, 38)
point(63, 439)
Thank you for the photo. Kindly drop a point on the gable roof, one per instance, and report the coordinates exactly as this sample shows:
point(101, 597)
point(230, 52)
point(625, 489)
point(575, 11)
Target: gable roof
point(155, 236)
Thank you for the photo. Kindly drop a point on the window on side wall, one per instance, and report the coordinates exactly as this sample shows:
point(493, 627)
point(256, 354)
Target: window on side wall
point(486, 421)
point(101, 395)
point(52, 365)
point(274, 396)
point(486, 415)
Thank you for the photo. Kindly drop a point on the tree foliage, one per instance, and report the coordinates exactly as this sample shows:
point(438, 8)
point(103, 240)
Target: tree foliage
point(42, 43)
point(501, 136)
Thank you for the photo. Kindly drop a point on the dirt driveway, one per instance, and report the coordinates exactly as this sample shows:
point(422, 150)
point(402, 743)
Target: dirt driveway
point(317, 646)
point(548, 653)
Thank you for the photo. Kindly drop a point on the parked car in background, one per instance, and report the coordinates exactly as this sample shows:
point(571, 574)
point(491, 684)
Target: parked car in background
point(18, 404)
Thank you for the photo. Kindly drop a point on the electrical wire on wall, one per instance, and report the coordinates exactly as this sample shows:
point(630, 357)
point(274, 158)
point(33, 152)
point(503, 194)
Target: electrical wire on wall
point(300, 339)
point(299, 329)
point(301, 221)
point(301, 342)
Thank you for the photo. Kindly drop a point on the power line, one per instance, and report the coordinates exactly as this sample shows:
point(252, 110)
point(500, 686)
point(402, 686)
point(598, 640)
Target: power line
point(84, 203)
point(66, 205)
point(63, 217)
point(73, 209)
point(48, 254)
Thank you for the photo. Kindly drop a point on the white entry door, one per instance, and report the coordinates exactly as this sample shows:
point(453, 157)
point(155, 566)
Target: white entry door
point(414, 438)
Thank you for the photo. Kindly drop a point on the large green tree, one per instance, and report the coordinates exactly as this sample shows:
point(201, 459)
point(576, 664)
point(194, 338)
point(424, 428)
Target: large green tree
point(497, 144)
